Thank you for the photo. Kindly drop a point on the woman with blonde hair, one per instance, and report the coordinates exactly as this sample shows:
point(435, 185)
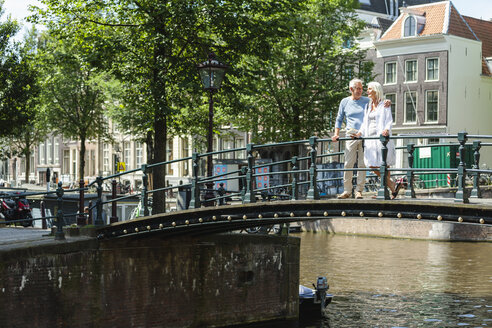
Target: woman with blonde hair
point(378, 120)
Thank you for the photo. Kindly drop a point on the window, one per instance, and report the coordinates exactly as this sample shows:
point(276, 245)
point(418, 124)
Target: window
point(410, 107)
point(49, 151)
point(411, 71)
point(390, 73)
point(170, 156)
point(127, 155)
point(432, 69)
point(106, 157)
point(74, 163)
point(42, 154)
point(228, 144)
point(432, 105)
point(66, 161)
point(92, 170)
point(57, 150)
point(138, 154)
point(410, 27)
point(392, 97)
point(239, 143)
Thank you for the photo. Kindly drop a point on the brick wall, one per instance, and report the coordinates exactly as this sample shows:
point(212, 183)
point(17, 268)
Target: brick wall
point(214, 280)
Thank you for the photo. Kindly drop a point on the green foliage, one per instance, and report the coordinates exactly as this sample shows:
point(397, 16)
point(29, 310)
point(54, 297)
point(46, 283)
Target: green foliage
point(295, 93)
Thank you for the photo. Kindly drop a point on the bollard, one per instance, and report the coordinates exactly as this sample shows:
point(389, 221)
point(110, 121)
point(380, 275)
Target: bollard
point(114, 216)
point(81, 216)
point(195, 188)
point(383, 192)
point(249, 195)
point(89, 215)
point(145, 186)
point(59, 234)
point(475, 193)
point(313, 192)
point(99, 205)
point(460, 193)
point(295, 192)
point(42, 207)
point(410, 192)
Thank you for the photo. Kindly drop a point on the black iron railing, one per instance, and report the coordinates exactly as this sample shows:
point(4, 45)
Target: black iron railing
point(299, 175)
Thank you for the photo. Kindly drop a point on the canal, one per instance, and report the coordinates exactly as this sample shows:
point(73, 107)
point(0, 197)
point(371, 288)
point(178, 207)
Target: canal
point(379, 282)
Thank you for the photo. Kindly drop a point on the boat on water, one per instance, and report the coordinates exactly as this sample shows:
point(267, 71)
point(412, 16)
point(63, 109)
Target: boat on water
point(312, 302)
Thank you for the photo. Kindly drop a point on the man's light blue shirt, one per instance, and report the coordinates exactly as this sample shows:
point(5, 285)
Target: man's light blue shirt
point(352, 111)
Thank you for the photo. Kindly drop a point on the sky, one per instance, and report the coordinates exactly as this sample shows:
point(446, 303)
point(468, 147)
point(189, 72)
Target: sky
point(474, 8)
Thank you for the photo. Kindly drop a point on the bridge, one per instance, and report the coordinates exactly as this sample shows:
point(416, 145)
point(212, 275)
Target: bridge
point(300, 179)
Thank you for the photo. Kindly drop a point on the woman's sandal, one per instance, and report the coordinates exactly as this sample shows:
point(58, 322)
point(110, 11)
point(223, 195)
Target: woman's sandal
point(397, 189)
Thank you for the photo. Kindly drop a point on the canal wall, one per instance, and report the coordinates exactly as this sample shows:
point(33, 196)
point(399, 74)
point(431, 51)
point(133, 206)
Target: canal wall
point(207, 281)
point(402, 228)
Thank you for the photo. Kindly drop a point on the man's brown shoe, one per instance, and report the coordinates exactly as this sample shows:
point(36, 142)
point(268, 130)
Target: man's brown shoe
point(344, 195)
point(358, 195)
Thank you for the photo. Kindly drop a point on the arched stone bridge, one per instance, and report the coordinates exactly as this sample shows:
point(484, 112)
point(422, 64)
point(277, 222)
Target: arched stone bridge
point(209, 220)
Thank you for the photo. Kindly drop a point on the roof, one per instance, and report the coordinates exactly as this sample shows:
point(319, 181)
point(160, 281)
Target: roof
point(440, 18)
point(483, 31)
point(384, 24)
point(382, 6)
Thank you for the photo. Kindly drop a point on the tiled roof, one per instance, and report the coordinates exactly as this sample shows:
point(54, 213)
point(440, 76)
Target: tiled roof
point(440, 18)
point(379, 6)
point(483, 31)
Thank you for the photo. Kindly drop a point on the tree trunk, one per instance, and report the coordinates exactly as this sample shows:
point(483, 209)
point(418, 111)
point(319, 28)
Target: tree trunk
point(159, 172)
point(28, 164)
point(82, 158)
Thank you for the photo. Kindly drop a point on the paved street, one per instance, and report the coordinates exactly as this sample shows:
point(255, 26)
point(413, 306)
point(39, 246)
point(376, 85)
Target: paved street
point(10, 236)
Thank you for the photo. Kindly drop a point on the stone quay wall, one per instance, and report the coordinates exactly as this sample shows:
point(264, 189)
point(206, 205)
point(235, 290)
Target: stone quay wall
point(207, 281)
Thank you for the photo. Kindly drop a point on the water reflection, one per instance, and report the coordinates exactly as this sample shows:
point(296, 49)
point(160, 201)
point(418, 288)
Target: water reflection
point(381, 282)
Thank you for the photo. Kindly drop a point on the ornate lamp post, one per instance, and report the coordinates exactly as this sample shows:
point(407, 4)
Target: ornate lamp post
point(212, 73)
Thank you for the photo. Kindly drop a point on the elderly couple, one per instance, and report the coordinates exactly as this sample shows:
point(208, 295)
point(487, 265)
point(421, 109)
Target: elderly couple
point(367, 117)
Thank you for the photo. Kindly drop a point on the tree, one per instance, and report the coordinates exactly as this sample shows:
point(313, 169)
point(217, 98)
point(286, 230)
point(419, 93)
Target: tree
point(74, 93)
point(293, 94)
point(154, 45)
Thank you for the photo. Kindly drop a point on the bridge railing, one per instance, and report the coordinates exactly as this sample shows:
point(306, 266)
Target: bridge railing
point(299, 175)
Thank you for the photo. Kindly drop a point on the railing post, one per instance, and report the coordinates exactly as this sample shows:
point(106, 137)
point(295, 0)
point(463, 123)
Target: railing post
point(313, 192)
point(81, 216)
point(89, 215)
point(249, 195)
point(244, 170)
point(145, 185)
point(460, 193)
point(195, 188)
point(383, 192)
point(410, 192)
point(59, 234)
point(295, 193)
point(475, 193)
point(114, 217)
point(99, 205)
point(42, 208)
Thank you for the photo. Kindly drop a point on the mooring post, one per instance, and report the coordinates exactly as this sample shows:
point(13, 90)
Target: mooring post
point(313, 192)
point(114, 217)
point(295, 193)
point(99, 203)
point(475, 193)
point(195, 188)
point(59, 234)
point(144, 195)
point(383, 192)
point(42, 208)
point(249, 195)
point(81, 216)
point(410, 192)
point(460, 193)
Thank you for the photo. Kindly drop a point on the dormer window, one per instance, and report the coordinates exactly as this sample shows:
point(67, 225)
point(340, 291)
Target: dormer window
point(410, 26)
point(413, 25)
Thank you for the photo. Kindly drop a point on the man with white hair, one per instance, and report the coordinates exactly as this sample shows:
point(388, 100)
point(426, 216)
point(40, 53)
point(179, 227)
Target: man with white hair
point(352, 111)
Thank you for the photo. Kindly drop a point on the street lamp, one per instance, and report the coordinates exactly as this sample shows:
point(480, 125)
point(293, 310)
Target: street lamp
point(212, 73)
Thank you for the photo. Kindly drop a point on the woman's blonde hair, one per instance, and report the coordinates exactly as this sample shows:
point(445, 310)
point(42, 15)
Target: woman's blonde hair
point(376, 86)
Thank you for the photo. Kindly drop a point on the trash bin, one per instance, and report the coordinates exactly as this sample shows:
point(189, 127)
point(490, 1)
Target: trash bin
point(183, 198)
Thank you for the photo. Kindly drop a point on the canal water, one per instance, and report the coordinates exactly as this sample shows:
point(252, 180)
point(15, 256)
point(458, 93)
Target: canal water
point(379, 282)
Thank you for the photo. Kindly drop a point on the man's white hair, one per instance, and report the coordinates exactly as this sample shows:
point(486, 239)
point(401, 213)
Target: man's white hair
point(353, 82)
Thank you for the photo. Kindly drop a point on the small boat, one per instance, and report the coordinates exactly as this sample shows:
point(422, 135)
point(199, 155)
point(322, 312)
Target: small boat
point(310, 300)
